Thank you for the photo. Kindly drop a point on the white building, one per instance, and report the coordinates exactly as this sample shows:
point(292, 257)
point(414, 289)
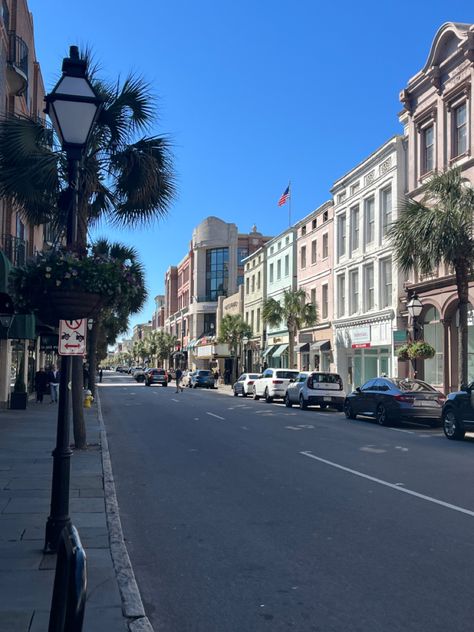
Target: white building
point(366, 281)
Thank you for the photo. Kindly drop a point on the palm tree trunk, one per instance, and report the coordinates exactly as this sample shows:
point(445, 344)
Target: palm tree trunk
point(79, 425)
point(291, 346)
point(462, 283)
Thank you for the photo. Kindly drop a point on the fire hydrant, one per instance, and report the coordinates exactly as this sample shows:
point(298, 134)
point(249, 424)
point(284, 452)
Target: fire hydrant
point(88, 399)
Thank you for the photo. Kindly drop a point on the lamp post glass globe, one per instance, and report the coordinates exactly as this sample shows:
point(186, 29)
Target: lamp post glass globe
point(415, 306)
point(6, 320)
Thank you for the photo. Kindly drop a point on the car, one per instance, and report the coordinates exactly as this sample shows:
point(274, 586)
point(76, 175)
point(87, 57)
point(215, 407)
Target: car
point(316, 387)
point(156, 376)
point(458, 413)
point(139, 374)
point(390, 399)
point(244, 385)
point(272, 384)
point(202, 378)
point(186, 379)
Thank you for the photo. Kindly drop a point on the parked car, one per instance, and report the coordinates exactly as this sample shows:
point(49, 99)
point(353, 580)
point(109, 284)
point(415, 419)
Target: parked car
point(156, 376)
point(139, 374)
point(458, 413)
point(186, 378)
point(202, 378)
point(119, 369)
point(316, 387)
point(272, 384)
point(392, 399)
point(244, 385)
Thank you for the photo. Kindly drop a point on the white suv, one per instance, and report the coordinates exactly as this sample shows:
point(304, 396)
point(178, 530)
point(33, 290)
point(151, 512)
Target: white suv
point(272, 384)
point(318, 387)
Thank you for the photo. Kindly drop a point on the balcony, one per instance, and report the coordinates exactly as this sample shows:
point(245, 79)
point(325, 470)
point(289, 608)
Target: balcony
point(15, 249)
point(17, 64)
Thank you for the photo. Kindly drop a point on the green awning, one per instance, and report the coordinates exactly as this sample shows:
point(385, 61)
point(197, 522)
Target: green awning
point(268, 350)
point(281, 349)
point(5, 267)
point(23, 327)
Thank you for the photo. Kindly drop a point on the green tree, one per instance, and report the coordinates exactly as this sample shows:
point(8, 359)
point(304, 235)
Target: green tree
point(292, 313)
point(439, 229)
point(232, 330)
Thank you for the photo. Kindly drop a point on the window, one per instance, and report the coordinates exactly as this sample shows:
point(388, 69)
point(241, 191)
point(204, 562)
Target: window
point(303, 230)
point(247, 285)
point(217, 272)
point(313, 224)
point(258, 280)
point(287, 265)
point(279, 245)
point(271, 273)
point(278, 269)
point(253, 282)
point(254, 263)
point(341, 235)
point(325, 216)
point(258, 319)
point(252, 314)
point(459, 130)
point(386, 283)
point(313, 296)
point(355, 187)
point(386, 209)
point(324, 301)
point(427, 149)
point(341, 295)
point(246, 317)
point(354, 291)
point(313, 251)
point(354, 228)
point(303, 256)
point(209, 324)
point(325, 246)
point(369, 216)
point(242, 253)
point(369, 287)
point(287, 240)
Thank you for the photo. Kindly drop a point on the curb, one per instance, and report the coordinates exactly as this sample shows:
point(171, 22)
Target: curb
point(132, 605)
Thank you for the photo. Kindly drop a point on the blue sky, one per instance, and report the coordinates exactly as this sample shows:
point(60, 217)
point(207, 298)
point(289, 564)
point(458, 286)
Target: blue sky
point(252, 94)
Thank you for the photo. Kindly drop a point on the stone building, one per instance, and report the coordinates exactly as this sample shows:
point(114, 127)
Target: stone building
point(255, 293)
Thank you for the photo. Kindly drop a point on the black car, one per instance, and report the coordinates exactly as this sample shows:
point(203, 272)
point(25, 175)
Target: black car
point(458, 413)
point(390, 399)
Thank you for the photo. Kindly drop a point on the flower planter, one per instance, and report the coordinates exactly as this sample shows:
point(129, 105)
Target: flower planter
point(18, 401)
point(69, 305)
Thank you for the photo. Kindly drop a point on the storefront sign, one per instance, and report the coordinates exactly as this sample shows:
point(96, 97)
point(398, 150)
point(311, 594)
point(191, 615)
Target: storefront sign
point(360, 337)
point(361, 345)
point(399, 337)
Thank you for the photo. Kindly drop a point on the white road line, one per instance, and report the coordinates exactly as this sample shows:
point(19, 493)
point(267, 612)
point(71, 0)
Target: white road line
point(174, 400)
point(430, 499)
point(218, 416)
point(401, 430)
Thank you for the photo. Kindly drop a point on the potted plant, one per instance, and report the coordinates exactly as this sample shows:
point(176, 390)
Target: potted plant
point(403, 352)
point(19, 396)
point(421, 350)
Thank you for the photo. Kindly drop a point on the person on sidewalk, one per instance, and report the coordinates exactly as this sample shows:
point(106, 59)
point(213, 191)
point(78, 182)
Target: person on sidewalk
point(179, 375)
point(216, 378)
point(41, 384)
point(53, 379)
point(101, 374)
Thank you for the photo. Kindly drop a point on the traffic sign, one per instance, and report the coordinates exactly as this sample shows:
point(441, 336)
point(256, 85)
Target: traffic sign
point(72, 337)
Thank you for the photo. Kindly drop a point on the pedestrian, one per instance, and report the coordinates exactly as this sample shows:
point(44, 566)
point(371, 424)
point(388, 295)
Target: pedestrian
point(41, 384)
point(179, 375)
point(53, 380)
point(216, 378)
point(227, 376)
point(101, 373)
point(85, 376)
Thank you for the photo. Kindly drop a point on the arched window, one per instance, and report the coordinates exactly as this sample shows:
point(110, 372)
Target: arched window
point(433, 333)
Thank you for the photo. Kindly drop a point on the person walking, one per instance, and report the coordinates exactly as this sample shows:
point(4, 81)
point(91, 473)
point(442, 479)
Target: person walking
point(53, 379)
point(101, 373)
point(179, 375)
point(216, 378)
point(41, 384)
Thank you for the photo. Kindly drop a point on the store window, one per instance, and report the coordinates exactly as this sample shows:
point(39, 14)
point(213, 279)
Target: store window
point(433, 333)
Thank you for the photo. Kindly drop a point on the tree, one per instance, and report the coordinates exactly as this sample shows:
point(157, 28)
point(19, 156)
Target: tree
point(233, 329)
point(294, 312)
point(439, 229)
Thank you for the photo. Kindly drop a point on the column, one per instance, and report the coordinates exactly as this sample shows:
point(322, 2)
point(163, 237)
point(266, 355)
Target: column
point(446, 356)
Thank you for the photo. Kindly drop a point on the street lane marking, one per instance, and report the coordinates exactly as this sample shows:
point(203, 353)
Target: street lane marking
point(401, 430)
point(395, 486)
point(174, 400)
point(218, 416)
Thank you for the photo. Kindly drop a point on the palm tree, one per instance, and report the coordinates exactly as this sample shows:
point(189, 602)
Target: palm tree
point(294, 312)
point(166, 345)
point(439, 229)
point(232, 330)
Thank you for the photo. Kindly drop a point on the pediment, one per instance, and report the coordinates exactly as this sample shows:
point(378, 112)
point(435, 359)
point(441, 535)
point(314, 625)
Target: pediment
point(446, 42)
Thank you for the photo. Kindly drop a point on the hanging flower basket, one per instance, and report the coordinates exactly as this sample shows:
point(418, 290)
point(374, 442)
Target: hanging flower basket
point(421, 351)
point(403, 352)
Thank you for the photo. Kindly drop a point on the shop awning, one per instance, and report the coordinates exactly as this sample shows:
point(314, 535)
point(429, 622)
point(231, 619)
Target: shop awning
point(303, 347)
point(23, 327)
point(268, 350)
point(321, 345)
point(281, 349)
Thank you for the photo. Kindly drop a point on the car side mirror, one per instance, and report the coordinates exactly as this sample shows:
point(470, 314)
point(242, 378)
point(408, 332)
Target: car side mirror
point(358, 389)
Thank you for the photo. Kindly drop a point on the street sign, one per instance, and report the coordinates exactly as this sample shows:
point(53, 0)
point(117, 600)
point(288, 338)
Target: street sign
point(72, 337)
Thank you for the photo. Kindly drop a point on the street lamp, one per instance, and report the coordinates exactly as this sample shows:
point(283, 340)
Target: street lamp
point(73, 107)
point(6, 311)
point(415, 307)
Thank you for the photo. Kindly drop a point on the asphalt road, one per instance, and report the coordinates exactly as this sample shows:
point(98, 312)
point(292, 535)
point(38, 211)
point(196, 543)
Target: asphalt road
point(242, 516)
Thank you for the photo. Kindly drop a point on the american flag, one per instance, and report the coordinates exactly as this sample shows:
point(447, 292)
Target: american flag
point(285, 196)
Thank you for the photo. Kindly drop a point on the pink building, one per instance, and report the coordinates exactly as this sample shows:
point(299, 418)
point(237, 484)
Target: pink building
point(314, 275)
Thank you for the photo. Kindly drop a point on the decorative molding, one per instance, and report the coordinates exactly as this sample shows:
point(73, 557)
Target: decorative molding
point(405, 99)
point(385, 166)
point(369, 178)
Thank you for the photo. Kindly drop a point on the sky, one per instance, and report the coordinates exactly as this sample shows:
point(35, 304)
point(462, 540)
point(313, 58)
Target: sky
point(253, 94)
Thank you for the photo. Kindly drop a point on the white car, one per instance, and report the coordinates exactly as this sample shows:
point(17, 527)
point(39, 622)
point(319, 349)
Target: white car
point(244, 385)
point(316, 387)
point(272, 384)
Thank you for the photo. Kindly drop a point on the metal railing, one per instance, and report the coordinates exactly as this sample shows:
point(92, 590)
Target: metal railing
point(18, 53)
point(16, 249)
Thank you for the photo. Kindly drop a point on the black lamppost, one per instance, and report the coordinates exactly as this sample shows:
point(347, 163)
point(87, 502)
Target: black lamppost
point(415, 307)
point(72, 106)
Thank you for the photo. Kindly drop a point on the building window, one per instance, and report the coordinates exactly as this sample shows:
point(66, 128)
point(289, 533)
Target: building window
point(242, 253)
point(427, 149)
point(217, 273)
point(247, 285)
point(325, 246)
point(303, 230)
point(386, 283)
point(258, 319)
point(313, 224)
point(279, 245)
point(287, 265)
point(278, 269)
point(246, 317)
point(369, 293)
point(341, 295)
point(355, 187)
point(209, 324)
point(369, 220)
point(386, 209)
point(313, 251)
point(324, 301)
point(459, 131)
point(354, 291)
point(313, 296)
point(252, 314)
point(354, 228)
point(341, 235)
point(433, 333)
point(254, 263)
point(303, 256)
point(287, 240)
point(258, 280)
point(271, 273)
point(253, 282)
point(325, 216)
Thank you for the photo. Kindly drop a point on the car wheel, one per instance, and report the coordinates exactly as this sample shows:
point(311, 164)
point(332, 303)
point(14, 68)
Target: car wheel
point(323, 406)
point(235, 393)
point(381, 415)
point(255, 396)
point(194, 385)
point(268, 397)
point(288, 404)
point(244, 393)
point(166, 384)
point(349, 413)
point(303, 404)
point(451, 426)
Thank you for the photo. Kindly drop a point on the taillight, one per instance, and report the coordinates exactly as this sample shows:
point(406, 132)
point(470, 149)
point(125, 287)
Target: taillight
point(250, 382)
point(441, 399)
point(405, 398)
point(277, 381)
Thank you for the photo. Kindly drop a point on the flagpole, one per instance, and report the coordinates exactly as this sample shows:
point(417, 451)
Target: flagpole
point(289, 204)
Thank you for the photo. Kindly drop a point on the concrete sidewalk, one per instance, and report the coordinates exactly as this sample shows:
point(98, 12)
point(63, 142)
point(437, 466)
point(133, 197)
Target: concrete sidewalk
point(26, 574)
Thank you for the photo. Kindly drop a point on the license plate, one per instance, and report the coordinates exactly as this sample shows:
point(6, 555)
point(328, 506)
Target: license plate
point(425, 403)
point(327, 399)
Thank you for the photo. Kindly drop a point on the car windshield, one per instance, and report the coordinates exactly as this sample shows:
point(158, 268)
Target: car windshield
point(326, 378)
point(253, 376)
point(413, 385)
point(286, 375)
point(204, 373)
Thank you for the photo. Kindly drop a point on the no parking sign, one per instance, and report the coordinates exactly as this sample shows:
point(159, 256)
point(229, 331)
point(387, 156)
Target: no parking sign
point(72, 337)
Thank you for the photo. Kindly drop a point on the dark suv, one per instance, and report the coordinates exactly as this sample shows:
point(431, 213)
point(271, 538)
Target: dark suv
point(458, 413)
point(156, 376)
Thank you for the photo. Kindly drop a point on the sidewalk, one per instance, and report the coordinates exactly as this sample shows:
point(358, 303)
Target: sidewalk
point(26, 574)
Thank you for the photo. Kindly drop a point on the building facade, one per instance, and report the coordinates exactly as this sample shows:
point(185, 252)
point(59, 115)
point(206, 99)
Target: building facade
point(255, 293)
